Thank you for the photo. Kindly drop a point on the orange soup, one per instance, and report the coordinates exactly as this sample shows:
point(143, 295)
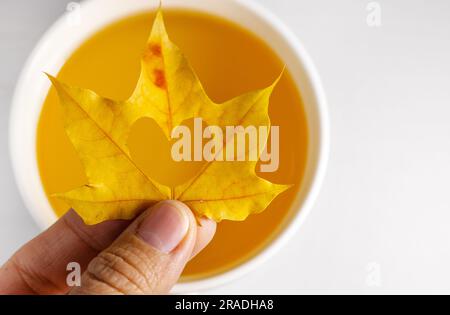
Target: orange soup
point(229, 61)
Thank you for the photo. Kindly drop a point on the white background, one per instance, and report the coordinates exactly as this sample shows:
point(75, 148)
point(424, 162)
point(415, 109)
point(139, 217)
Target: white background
point(385, 204)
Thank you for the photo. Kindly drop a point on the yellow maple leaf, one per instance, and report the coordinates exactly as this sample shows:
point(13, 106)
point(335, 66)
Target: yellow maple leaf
point(169, 92)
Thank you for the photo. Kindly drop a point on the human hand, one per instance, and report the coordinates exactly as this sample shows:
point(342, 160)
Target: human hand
point(146, 256)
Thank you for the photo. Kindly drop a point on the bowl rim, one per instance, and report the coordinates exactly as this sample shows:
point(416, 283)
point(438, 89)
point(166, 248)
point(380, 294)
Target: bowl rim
point(318, 174)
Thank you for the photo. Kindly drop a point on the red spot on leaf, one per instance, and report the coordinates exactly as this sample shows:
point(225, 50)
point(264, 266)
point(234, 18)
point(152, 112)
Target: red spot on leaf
point(153, 50)
point(160, 79)
point(156, 50)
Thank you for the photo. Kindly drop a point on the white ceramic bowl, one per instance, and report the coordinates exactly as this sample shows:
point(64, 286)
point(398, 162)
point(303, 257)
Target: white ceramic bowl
point(63, 38)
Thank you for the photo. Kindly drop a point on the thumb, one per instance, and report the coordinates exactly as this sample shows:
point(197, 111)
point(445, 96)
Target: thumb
point(150, 255)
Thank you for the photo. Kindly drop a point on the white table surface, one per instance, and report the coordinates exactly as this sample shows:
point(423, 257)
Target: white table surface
point(382, 221)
